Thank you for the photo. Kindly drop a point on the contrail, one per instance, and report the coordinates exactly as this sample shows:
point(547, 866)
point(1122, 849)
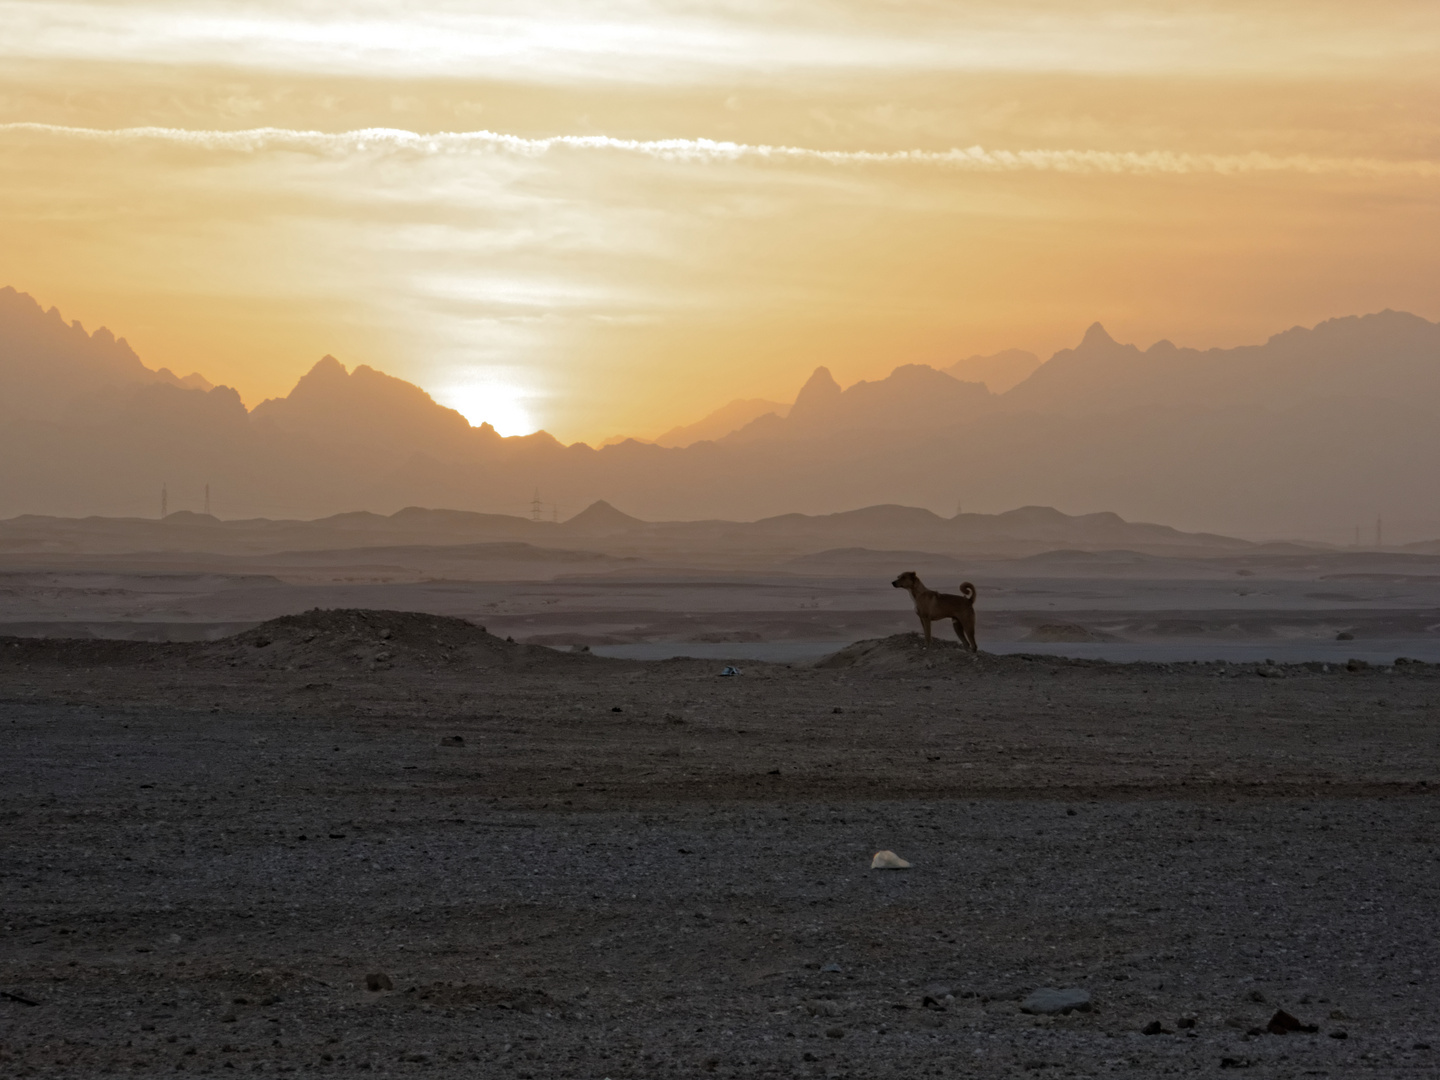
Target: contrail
point(971, 159)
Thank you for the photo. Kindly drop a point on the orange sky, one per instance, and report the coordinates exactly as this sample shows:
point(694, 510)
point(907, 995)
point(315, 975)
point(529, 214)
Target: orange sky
point(613, 218)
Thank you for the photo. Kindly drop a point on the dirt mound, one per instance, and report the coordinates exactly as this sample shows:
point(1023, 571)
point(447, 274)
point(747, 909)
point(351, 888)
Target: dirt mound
point(371, 640)
point(902, 652)
point(1067, 633)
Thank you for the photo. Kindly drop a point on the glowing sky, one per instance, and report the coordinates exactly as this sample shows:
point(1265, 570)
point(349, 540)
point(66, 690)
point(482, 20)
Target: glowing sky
point(614, 217)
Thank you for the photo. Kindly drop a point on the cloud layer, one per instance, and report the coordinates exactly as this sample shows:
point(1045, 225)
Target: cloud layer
point(969, 159)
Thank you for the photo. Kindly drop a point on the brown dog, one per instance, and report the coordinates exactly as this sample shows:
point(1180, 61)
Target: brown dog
point(931, 605)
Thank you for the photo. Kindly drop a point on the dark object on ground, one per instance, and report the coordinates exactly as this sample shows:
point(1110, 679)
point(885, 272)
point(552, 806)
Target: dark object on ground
point(1282, 1023)
point(1154, 1027)
point(18, 998)
point(453, 740)
point(1344, 635)
point(377, 981)
point(1339, 1033)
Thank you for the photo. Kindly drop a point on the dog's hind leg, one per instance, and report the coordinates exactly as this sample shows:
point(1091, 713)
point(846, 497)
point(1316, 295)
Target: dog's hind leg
point(965, 631)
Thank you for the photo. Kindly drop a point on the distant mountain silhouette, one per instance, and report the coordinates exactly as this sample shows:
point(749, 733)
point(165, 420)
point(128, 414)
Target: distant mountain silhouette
point(997, 372)
point(721, 422)
point(601, 519)
point(1307, 434)
point(369, 414)
point(48, 365)
point(838, 543)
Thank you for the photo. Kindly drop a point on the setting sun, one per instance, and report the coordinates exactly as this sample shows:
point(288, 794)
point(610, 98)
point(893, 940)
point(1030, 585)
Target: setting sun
point(500, 404)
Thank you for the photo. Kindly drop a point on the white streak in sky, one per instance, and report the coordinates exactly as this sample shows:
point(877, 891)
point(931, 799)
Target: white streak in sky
point(971, 159)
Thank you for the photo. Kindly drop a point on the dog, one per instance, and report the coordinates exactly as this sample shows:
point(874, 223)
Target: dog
point(931, 605)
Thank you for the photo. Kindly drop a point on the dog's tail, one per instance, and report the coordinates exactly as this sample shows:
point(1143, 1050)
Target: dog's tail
point(967, 591)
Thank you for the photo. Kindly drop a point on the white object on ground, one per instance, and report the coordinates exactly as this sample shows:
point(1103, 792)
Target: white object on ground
point(888, 860)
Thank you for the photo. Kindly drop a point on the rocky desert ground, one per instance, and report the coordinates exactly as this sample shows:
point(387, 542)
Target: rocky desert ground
point(364, 842)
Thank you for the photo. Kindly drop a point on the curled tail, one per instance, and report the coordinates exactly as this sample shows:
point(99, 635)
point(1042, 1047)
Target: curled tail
point(967, 590)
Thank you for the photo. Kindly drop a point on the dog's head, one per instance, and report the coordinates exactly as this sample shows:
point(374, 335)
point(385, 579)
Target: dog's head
point(907, 580)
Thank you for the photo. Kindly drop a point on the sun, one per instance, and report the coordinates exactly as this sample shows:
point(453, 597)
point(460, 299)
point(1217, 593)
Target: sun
point(502, 405)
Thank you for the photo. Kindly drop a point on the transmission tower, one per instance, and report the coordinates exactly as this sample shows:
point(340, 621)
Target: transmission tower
point(536, 507)
point(207, 500)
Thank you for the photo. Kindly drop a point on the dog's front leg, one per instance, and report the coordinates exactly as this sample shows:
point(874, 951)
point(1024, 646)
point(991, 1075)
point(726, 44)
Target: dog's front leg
point(925, 623)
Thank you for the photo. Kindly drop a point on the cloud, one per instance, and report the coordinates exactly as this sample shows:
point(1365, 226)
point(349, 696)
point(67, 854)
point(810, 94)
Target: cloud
point(969, 159)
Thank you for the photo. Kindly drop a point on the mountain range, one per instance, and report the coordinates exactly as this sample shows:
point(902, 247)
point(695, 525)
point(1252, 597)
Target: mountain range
point(1305, 435)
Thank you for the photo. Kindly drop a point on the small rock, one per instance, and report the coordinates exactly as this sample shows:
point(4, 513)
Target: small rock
point(1339, 1033)
point(1282, 1023)
point(1269, 672)
point(888, 860)
point(1344, 635)
point(1154, 1027)
point(1257, 997)
point(377, 981)
point(831, 967)
point(1047, 1001)
point(1234, 1063)
point(453, 740)
point(385, 633)
point(1356, 665)
point(822, 1007)
point(1338, 1014)
point(1187, 1021)
point(835, 1033)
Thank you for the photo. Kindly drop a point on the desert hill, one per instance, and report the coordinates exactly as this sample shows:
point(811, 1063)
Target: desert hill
point(1308, 434)
point(876, 532)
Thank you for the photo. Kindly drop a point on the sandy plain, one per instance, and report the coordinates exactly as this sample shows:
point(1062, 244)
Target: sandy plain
point(568, 866)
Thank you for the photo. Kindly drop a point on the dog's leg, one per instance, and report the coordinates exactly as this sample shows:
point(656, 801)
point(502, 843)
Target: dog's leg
point(925, 623)
point(968, 634)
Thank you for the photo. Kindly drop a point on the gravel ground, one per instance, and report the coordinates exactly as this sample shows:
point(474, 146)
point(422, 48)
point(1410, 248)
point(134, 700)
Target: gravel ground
point(571, 867)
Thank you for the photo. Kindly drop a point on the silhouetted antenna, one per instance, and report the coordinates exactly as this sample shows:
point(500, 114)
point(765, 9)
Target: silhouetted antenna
point(164, 500)
point(536, 506)
point(207, 499)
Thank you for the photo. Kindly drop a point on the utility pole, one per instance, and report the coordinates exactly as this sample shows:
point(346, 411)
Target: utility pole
point(164, 500)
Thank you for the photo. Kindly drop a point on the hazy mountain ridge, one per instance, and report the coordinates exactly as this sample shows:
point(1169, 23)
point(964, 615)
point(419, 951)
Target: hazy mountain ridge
point(724, 420)
point(1309, 433)
point(1016, 532)
point(47, 365)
